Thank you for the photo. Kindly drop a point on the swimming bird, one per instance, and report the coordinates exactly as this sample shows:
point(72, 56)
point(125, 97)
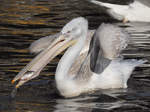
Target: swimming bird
point(101, 67)
point(138, 10)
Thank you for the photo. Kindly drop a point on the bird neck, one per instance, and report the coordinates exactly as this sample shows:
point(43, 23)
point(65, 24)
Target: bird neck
point(68, 59)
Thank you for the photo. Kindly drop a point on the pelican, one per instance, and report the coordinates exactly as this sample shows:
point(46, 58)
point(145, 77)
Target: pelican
point(99, 67)
point(138, 10)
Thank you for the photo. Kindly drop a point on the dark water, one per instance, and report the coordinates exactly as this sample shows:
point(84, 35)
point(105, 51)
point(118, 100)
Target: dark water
point(23, 21)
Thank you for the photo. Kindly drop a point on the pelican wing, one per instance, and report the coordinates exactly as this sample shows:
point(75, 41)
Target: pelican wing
point(106, 45)
point(81, 68)
point(97, 61)
point(112, 40)
point(81, 65)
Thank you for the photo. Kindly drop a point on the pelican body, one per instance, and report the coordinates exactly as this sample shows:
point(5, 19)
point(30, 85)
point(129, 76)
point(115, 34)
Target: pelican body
point(138, 10)
point(82, 69)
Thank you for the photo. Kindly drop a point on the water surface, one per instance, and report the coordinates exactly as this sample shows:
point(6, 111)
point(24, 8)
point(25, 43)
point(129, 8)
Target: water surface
point(22, 22)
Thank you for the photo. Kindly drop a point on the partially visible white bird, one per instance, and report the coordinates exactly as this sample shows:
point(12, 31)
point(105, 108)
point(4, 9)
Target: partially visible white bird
point(139, 10)
point(100, 68)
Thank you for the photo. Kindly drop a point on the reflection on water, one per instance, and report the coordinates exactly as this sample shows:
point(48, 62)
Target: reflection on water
point(22, 22)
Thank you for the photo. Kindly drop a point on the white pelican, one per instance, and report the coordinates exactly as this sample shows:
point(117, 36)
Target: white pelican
point(78, 72)
point(138, 10)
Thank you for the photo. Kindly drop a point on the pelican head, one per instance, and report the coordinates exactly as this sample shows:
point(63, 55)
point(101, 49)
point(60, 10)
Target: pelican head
point(75, 27)
point(69, 35)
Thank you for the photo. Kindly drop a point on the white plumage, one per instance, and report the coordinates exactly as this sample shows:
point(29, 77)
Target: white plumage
point(136, 11)
point(72, 79)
